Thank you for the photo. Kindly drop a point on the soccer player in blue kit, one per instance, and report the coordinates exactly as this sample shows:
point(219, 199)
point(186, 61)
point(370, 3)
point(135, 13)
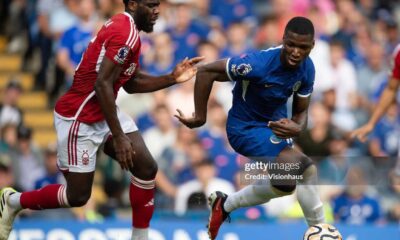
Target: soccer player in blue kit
point(257, 125)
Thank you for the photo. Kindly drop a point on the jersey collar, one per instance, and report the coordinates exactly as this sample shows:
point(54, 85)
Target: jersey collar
point(130, 17)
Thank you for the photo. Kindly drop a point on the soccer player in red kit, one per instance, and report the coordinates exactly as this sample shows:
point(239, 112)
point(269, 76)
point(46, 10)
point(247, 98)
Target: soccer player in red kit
point(387, 98)
point(86, 116)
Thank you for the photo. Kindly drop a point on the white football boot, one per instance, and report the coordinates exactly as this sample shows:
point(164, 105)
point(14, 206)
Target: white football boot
point(7, 213)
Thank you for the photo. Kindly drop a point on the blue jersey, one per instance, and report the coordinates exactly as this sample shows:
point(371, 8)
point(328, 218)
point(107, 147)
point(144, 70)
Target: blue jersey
point(75, 40)
point(263, 86)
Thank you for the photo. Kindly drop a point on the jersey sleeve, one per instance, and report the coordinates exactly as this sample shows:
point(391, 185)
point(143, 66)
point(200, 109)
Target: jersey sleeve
point(396, 64)
point(65, 41)
point(307, 84)
point(119, 43)
point(247, 67)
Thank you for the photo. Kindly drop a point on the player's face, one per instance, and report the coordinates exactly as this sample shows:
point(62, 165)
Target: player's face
point(296, 47)
point(146, 14)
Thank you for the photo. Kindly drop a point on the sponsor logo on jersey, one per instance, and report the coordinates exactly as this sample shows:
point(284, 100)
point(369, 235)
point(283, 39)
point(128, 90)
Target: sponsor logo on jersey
point(129, 71)
point(296, 86)
point(122, 54)
point(85, 157)
point(274, 139)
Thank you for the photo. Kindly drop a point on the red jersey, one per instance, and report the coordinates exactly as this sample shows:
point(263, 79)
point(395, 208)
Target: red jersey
point(396, 63)
point(119, 41)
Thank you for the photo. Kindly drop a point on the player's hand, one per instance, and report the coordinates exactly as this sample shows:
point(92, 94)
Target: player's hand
point(186, 69)
point(190, 122)
point(362, 132)
point(285, 128)
point(124, 151)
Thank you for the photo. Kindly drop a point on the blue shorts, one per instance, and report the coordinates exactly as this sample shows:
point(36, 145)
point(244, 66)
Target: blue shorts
point(255, 141)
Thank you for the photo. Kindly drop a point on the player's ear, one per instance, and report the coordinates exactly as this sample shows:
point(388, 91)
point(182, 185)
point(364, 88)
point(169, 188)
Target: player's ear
point(132, 5)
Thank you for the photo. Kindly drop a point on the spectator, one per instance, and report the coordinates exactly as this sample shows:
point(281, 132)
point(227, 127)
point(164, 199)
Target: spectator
point(369, 77)
point(206, 182)
point(52, 174)
point(344, 83)
point(391, 196)
point(8, 141)
point(334, 168)
point(73, 43)
point(196, 154)
point(186, 33)
point(384, 139)
point(354, 206)
point(10, 113)
point(108, 8)
point(163, 134)
point(162, 56)
point(215, 141)
point(267, 34)
point(27, 161)
point(45, 9)
point(6, 174)
point(172, 162)
point(181, 97)
point(231, 11)
point(238, 41)
point(316, 139)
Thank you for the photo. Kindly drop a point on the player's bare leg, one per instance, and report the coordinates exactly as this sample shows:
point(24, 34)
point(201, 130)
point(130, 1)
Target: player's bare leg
point(141, 190)
point(75, 194)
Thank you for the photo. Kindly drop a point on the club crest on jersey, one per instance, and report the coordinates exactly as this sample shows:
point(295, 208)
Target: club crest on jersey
point(129, 71)
point(296, 86)
point(243, 69)
point(122, 54)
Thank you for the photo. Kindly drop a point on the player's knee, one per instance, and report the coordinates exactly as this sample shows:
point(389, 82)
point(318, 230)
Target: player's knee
point(147, 170)
point(306, 163)
point(284, 189)
point(78, 200)
point(309, 173)
point(151, 170)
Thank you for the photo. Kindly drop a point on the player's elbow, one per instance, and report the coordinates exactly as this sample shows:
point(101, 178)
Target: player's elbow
point(99, 86)
point(130, 89)
point(205, 75)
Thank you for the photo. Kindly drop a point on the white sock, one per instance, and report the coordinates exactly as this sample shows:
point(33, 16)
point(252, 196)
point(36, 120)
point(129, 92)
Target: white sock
point(140, 233)
point(308, 197)
point(251, 195)
point(14, 200)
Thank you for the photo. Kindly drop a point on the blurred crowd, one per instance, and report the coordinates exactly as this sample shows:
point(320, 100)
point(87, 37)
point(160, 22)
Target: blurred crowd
point(352, 55)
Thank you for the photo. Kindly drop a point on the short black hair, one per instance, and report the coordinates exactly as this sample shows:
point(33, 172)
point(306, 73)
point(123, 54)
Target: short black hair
point(300, 25)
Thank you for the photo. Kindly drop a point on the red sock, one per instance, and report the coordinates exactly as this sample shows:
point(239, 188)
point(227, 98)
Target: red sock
point(141, 195)
point(48, 197)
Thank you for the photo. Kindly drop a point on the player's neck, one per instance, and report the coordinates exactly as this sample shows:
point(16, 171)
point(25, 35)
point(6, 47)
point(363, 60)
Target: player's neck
point(130, 12)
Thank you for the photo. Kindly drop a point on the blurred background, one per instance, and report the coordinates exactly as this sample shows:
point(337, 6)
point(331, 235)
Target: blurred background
point(42, 41)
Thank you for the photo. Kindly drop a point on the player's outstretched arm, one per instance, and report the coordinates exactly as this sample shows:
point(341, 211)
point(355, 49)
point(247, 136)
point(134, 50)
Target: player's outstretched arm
point(387, 97)
point(109, 73)
point(142, 82)
point(205, 77)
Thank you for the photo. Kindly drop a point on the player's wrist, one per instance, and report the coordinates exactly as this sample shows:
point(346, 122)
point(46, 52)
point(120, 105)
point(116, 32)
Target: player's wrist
point(171, 78)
